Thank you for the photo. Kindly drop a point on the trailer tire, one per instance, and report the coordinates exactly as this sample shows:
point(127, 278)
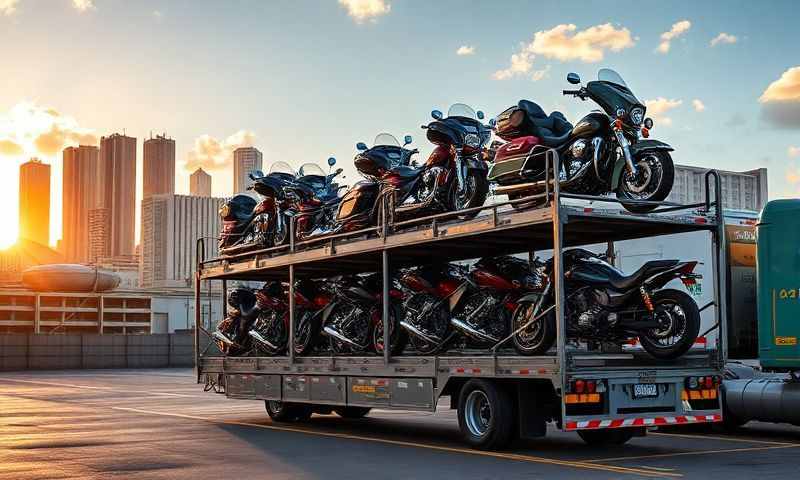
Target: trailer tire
point(352, 412)
point(486, 415)
point(607, 436)
point(285, 412)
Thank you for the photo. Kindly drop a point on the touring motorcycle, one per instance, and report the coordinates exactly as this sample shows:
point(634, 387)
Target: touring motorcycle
point(353, 320)
point(603, 305)
point(231, 334)
point(606, 151)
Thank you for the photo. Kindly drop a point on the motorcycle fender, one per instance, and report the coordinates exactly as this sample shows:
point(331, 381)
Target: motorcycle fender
point(649, 144)
point(456, 296)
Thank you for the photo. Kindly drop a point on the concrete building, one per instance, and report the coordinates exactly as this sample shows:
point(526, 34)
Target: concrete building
point(80, 194)
point(118, 192)
point(34, 201)
point(200, 183)
point(99, 234)
point(158, 162)
point(245, 160)
point(740, 190)
point(171, 225)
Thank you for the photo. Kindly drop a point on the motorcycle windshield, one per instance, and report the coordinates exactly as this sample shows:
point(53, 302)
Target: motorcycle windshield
point(610, 76)
point(462, 110)
point(612, 93)
point(281, 167)
point(310, 169)
point(385, 140)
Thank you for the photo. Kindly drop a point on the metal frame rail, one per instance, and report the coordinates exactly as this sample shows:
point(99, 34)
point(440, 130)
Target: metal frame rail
point(316, 255)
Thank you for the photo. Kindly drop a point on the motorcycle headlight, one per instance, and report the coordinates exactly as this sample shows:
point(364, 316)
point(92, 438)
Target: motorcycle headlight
point(637, 115)
point(225, 210)
point(472, 140)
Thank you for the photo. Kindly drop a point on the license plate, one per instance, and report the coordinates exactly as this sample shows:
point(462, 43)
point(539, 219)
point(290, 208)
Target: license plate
point(644, 390)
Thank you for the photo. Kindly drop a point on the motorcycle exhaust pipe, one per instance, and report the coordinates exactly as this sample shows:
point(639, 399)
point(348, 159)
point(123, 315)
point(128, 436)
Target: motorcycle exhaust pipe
point(222, 338)
point(419, 333)
point(469, 330)
point(260, 339)
point(328, 330)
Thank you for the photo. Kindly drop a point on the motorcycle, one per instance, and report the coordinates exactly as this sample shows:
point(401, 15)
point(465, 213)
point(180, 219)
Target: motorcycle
point(606, 151)
point(270, 330)
point(231, 334)
point(353, 322)
point(310, 300)
point(247, 224)
point(603, 305)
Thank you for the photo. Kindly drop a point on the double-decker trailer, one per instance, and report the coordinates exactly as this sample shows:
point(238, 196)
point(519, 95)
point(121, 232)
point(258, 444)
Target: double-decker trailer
point(498, 393)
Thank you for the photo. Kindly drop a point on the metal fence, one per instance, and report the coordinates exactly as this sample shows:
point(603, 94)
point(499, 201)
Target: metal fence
point(89, 351)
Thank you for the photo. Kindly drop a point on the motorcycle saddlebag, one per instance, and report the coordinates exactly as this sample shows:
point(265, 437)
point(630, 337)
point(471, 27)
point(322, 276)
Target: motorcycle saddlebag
point(510, 159)
point(358, 200)
point(510, 126)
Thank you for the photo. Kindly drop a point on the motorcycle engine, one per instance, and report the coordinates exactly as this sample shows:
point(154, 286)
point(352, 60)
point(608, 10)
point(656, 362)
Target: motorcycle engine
point(587, 312)
point(428, 186)
point(486, 313)
point(578, 154)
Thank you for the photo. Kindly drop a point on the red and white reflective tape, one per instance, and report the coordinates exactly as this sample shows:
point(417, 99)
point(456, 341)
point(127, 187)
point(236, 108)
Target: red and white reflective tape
point(473, 371)
point(642, 422)
point(699, 343)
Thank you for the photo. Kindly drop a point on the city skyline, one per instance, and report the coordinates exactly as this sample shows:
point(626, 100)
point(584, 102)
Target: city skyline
point(300, 102)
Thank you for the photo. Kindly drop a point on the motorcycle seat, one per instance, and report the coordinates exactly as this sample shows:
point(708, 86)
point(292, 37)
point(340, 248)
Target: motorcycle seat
point(406, 171)
point(553, 130)
point(650, 268)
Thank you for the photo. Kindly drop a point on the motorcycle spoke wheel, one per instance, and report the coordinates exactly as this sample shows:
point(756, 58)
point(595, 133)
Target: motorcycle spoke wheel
point(679, 324)
point(537, 337)
point(656, 174)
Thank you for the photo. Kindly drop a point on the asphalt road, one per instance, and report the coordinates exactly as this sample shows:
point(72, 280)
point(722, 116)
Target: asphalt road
point(158, 424)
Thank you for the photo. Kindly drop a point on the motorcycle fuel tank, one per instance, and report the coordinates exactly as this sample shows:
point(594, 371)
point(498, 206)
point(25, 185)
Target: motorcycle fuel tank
point(593, 124)
point(491, 281)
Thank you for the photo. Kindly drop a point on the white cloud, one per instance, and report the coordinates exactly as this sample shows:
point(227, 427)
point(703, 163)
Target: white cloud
point(83, 5)
point(465, 50)
point(7, 7)
point(563, 43)
point(678, 29)
point(698, 105)
point(540, 74)
point(365, 10)
point(521, 64)
point(211, 153)
point(780, 102)
point(724, 38)
point(793, 151)
point(32, 129)
point(658, 107)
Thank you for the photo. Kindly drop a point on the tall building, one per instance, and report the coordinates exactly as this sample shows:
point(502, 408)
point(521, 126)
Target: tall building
point(99, 235)
point(171, 225)
point(158, 162)
point(740, 190)
point(118, 194)
point(34, 201)
point(200, 183)
point(245, 160)
point(80, 194)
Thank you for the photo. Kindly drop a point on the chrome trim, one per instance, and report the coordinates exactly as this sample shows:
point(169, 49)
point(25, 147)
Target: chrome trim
point(469, 330)
point(259, 338)
point(419, 333)
point(330, 331)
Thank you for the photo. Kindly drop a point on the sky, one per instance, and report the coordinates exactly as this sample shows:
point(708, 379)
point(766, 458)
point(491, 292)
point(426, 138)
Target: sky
point(303, 81)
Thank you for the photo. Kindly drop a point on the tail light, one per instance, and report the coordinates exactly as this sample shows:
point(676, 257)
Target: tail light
point(703, 383)
point(584, 391)
point(688, 277)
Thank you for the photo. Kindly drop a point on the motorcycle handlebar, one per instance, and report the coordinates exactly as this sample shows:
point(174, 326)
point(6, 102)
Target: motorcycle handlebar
point(571, 92)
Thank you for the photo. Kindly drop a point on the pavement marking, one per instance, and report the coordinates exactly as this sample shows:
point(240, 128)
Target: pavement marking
point(718, 437)
point(507, 456)
point(701, 452)
point(111, 389)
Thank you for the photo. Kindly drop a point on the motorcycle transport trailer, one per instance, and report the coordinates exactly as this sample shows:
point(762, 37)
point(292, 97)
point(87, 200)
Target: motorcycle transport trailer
point(606, 396)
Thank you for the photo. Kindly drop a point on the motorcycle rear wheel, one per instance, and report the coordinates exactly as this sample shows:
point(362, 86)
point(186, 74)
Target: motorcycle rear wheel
point(657, 167)
point(339, 347)
point(681, 311)
point(398, 337)
point(305, 336)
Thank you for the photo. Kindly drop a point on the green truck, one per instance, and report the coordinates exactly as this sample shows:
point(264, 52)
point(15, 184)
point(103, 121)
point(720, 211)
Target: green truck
point(772, 393)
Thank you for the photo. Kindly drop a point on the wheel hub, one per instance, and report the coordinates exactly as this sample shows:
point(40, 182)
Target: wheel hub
point(478, 413)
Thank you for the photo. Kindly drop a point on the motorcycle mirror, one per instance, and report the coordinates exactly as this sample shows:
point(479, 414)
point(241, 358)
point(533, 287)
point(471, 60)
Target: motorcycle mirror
point(407, 139)
point(361, 146)
point(492, 122)
point(648, 123)
point(480, 115)
point(331, 161)
point(573, 78)
point(254, 174)
point(437, 115)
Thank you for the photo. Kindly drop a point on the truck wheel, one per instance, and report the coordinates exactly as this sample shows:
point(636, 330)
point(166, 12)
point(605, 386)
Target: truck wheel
point(485, 415)
point(288, 412)
point(607, 436)
point(352, 412)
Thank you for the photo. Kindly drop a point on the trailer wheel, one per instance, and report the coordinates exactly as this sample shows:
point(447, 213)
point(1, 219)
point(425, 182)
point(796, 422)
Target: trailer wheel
point(485, 415)
point(607, 436)
point(352, 412)
point(288, 412)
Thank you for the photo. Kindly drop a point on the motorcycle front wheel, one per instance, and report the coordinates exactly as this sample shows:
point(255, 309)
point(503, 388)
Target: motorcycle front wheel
point(653, 182)
point(679, 324)
point(476, 188)
point(307, 331)
point(536, 338)
point(398, 337)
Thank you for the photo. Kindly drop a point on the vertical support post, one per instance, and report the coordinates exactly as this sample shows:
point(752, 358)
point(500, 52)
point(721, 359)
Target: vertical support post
point(37, 313)
point(558, 273)
point(101, 305)
point(721, 271)
point(387, 347)
point(197, 320)
point(290, 346)
point(224, 300)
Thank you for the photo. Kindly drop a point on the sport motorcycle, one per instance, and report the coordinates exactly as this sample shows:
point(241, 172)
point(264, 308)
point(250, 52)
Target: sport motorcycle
point(606, 151)
point(603, 305)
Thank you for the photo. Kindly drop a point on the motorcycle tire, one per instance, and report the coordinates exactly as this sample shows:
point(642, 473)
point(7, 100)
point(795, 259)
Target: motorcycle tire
point(671, 299)
point(541, 340)
point(352, 412)
point(661, 191)
point(478, 198)
point(398, 336)
point(306, 336)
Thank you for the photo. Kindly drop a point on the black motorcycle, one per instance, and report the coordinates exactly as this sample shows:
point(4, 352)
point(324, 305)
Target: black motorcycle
point(603, 305)
point(606, 151)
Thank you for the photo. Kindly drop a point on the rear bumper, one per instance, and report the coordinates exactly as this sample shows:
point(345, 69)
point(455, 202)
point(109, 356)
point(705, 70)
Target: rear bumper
point(641, 421)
